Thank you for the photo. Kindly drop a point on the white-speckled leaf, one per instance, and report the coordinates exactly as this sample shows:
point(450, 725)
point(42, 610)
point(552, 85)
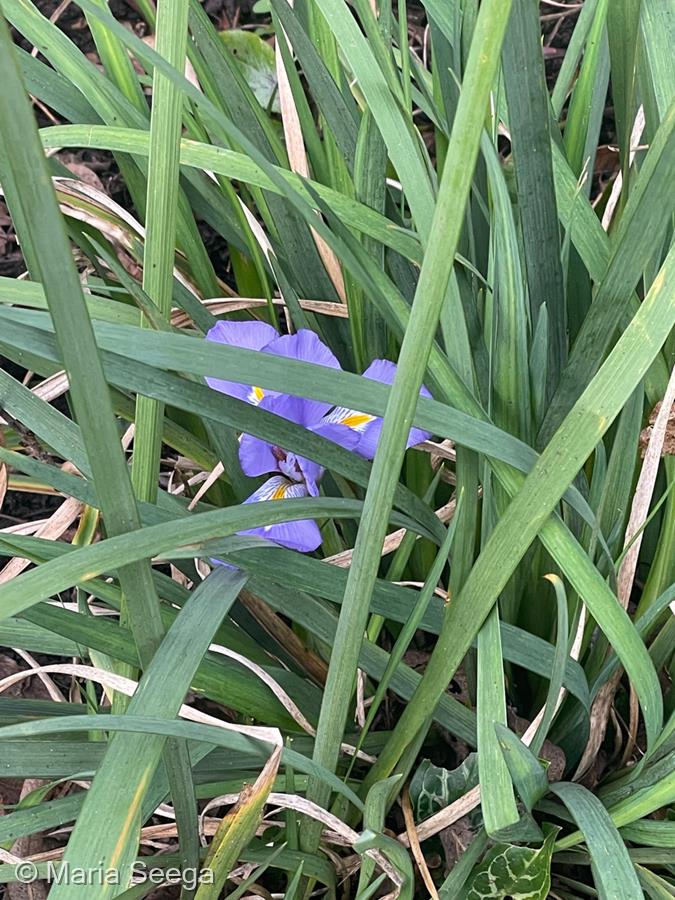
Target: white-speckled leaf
point(517, 872)
point(433, 788)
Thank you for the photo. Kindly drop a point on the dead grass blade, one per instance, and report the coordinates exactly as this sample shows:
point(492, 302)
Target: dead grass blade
point(415, 846)
point(297, 157)
point(51, 529)
point(633, 540)
point(392, 541)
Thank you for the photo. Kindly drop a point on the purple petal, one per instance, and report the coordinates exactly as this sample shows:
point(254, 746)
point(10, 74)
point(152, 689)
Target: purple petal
point(383, 370)
point(303, 535)
point(295, 409)
point(353, 421)
point(416, 436)
point(370, 437)
point(303, 345)
point(256, 456)
point(306, 346)
point(337, 433)
point(250, 336)
point(277, 488)
point(311, 470)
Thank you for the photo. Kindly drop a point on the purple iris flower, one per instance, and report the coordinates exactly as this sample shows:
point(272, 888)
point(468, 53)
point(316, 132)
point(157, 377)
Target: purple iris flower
point(370, 427)
point(293, 475)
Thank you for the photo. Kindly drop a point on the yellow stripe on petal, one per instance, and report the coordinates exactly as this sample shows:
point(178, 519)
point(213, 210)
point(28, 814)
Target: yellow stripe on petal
point(279, 493)
point(257, 393)
point(356, 420)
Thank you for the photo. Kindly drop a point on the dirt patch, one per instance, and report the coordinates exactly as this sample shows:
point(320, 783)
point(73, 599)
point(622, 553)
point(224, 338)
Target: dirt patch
point(557, 27)
point(223, 13)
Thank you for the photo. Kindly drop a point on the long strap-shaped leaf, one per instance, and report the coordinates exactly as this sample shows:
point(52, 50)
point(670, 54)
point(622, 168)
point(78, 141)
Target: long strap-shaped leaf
point(239, 167)
point(125, 772)
point(161, 209)
point(527, 95)
point(642, 223)
point(40, 227)
point(527, 515)
point(434, 277)
point(612, 867)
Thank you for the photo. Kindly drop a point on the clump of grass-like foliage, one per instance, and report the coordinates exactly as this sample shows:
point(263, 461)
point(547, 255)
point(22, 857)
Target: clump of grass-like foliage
point(462, 688)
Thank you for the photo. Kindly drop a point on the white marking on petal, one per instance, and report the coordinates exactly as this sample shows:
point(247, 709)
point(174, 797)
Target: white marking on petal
point(255, 395)
point(278, 488)
point(351, 418)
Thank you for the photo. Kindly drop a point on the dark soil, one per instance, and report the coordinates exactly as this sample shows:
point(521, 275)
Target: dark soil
point(557, 27)
point(224, 14)
point(18, 506)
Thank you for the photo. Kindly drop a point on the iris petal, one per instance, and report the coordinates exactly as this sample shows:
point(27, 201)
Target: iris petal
point(384, 370)
point(303, 535)
point(295, 409)
point(371, 435)
point(250, 336)
point(277, 488)
point(306, 346)
point(312, 473)
point(303, 345)
point(369, 439)
point(370, 427)
point(338, 433)
point(345, 437)
point(256, 456)
point(350, 419)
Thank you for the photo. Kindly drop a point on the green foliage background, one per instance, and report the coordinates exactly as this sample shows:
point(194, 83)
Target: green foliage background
point(428, 204)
